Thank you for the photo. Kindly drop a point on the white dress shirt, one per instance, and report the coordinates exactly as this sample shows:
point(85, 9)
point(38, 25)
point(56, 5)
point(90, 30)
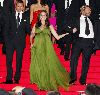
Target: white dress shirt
point(83, 27)
point(66, 6)
point(1, 2)
point(87, 2)
point(20, 16)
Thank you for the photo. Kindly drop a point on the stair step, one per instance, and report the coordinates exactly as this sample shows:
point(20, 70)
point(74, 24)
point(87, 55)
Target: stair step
point(92, 69)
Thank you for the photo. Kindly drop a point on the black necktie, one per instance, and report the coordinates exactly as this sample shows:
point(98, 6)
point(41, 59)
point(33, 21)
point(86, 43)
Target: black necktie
point(87, 31)
point(67, 3)
point(18, 20)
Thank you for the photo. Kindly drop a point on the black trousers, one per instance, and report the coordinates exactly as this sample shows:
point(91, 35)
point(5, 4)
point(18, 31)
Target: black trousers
point(65, 45)
point(4, 48)
point(84, 46)
point(9, 57)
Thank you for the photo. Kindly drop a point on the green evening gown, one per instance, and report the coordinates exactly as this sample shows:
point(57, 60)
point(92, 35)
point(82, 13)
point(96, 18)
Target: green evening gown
point(45, 69)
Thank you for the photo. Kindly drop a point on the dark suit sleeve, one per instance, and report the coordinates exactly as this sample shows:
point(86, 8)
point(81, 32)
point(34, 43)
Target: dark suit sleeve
point(1, 37)
point(28, 26)
point(8, 7)
point(75, 23)
point(70, 25)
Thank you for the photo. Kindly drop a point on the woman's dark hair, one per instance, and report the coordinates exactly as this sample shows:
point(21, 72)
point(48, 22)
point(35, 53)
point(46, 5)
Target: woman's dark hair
point(43, 2)
point(38, 24)
point(19, 1)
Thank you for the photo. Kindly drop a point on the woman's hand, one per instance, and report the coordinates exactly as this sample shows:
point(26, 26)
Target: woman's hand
point(31, 39)
point(31, 45)
point(55, 33)
point(67, 33)
point(63, 35)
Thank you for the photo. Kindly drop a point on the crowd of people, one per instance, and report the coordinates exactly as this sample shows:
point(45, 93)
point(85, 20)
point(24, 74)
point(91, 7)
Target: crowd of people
point(91, 89)
point(76, 25)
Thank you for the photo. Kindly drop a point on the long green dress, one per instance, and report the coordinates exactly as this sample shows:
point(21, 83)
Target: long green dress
point(45, 68)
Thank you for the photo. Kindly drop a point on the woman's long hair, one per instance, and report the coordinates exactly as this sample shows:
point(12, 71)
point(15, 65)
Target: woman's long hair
point(43, 2)
point(38, 24)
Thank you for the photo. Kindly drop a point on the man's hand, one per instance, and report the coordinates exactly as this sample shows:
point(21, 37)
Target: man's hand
point(74, 30)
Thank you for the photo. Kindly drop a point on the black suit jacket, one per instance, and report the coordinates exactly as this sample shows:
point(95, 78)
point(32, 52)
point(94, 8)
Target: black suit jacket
point(64, 16)
point(97, 24)
point(97, 10)
point(30, 2)
point(74, 9)
point(1, 24)
point(17, 35)
point(60, 14)
point(8, 9)
point(8, 6)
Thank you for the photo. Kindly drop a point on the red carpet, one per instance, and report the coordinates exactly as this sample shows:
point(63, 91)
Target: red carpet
point(93, 75)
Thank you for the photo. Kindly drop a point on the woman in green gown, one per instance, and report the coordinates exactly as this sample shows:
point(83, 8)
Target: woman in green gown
point(45, 68)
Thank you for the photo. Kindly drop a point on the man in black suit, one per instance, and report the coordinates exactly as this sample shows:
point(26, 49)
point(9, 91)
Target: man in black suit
point(15, 39)
point(65, 12)
point(8, 8)
point(83, 44)
point(95, 18)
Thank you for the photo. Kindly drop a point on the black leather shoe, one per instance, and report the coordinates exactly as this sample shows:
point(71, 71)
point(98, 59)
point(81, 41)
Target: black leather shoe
point(16, 82)
point(4, 49)
point(83, 83)
point(7, 82)
point(72, 81)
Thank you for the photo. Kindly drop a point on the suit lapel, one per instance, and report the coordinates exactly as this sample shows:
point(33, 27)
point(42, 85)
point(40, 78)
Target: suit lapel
point(14, 19)
point(78, 24)
point(82, 2)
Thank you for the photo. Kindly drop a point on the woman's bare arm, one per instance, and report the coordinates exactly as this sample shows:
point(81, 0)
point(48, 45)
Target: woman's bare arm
point(32, 35)
point(55, 34)
point(31, 13)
